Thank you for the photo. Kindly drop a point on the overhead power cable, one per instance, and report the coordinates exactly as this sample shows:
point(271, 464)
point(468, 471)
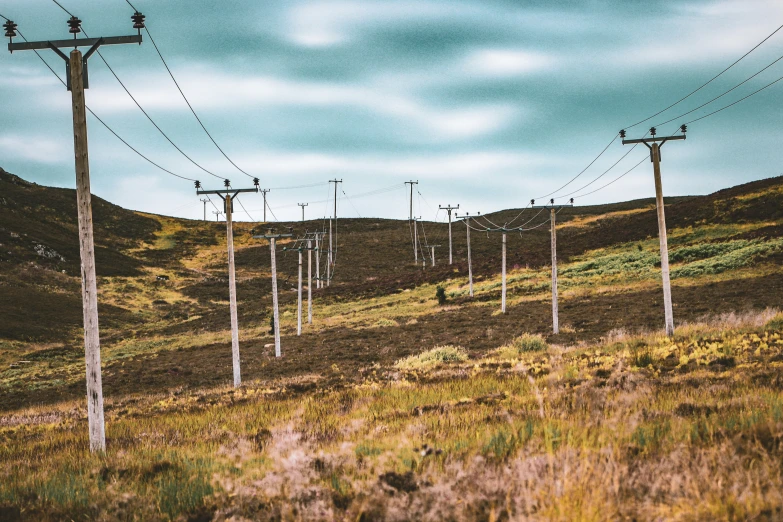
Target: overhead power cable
point(614, 180)
point(708, 82)
point(721, 95)
point(734, 103)
point(167, 171)
point(582, 172)
point(146, 28)
point(64, 9)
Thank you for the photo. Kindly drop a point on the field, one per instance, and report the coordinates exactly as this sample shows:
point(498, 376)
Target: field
point(392, 406)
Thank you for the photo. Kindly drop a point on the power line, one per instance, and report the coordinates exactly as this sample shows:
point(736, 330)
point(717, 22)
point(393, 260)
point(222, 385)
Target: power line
point(103, 122)
point(735, 103)
point(246, 212)
point(708, 82)
point(723, 94)
point(582, 172)
point(146, 28)
point(64, 9)
point(614, 180)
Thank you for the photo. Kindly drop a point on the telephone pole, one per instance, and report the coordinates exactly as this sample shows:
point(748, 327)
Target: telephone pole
point(553, 210)
point(655, 144)
point(272, 237)
point(332, 249)
point(301, 249)
point(432, 248)
point(77, 82)
point(466, 220)
point(318, 237)
point(228, 195)
point(205, 207)
point(411, 222)
point(303, 205)
point(263, 193)
point(416, 240)
point(217, 215)
point(449, 208)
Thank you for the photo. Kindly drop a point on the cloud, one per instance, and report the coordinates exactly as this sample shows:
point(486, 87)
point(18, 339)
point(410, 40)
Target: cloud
point(38, 149)
point(506, 62)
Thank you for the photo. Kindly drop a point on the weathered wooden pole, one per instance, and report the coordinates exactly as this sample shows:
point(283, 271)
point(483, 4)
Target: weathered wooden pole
point(416, 240)
point(654, 144)
point(448, 208)
point(92, 345)
point(318, 282)
point(667, 290)
point(329, 258)
point(232, 291)
point(433, 256)
point(503, 296)
point(275, 311)
point(309, 281)
point(555, 325)
point(470, 264)
point(299, 298)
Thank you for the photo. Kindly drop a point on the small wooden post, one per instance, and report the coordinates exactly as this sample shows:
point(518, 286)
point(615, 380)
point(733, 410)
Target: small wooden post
point(503, 297)
point(232, 291)
point(555, 325)
point(433, 256)
point(667, 290)
point(309, 281)
point(275, 312)
point(299, 298)
point(92, 346)
point(470, 264)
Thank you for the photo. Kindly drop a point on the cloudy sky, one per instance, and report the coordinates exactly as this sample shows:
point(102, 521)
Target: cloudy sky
point(487, 103)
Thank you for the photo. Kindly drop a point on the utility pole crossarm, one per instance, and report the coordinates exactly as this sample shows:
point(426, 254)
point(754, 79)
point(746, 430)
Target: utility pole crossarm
point(225, 191)
point(653, 140)
point(78, 42)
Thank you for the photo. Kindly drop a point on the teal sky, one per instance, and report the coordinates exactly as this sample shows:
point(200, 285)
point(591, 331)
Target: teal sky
point(487, 103)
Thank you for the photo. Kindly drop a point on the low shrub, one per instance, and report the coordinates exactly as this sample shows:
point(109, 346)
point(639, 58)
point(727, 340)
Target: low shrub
point(440, 294)
point(525, 343)
point(432, 358)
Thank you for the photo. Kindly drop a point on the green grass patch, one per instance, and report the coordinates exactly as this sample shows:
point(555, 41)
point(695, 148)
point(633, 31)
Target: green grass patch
point(432, 358)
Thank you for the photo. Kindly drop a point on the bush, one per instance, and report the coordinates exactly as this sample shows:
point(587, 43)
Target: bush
point(776, 323)
point(440, 293)
point(435, 357)
point(523, 344)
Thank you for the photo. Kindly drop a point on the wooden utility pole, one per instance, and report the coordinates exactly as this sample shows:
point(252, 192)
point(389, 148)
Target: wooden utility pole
point(300, 250)
point(272, 237)
point(411, 222)
point(553, 209)
point(655, 144)
point(432, 248)
point(416, 240)
point(449, 208)
point(318, 239)
point(263, 192)
point(205, 207)
point(217, 215)
point(466, 220)
point(309, 281)
point(503, 272)
point(77, 82)
point(228, 195)
point(332, 242)
point(303, 205)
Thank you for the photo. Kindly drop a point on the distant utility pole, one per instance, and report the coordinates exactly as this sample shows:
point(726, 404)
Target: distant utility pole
point(411, 222)
point(263, 192)
point(503, 272)
point(301, 249)
point(466, 220)
point(228, 195)
point(318, 237)
point(553, 209)
point(272, 237)
point(332, 249)
point(77, 81)
point(217, 215)
point(653, 144)
point(416, 240)
point(205, 207)
point(303, 205)
point(432, 248)
point(449, 208)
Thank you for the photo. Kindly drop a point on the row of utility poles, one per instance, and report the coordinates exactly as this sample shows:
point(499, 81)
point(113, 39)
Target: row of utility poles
point(78, 81)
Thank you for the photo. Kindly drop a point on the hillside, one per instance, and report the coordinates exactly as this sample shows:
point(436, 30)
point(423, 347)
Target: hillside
point(355, 401)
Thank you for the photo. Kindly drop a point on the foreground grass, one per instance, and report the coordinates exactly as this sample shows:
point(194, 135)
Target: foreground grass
point(639, 426)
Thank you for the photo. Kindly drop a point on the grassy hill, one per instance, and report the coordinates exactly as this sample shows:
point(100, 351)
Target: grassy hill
point(337, 427)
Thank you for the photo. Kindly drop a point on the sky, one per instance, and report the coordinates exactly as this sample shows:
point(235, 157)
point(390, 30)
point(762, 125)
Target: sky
point(486, 103)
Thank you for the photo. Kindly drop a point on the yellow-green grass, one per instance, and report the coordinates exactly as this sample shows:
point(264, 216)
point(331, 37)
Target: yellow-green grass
point(566, 433)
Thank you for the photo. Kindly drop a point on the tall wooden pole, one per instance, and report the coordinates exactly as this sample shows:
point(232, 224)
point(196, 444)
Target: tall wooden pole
point(264, 193)
point(503, 296)
point(318, 282)
point(555, 323)
point(667, 291)
point(416, 241)
point(92, 346)
point(470, 264)
point(309, 281)
point(450, 253)
point(299, 298)
point(232, 291)
point(275, 311)
point(433, 256)
point(329, 258)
